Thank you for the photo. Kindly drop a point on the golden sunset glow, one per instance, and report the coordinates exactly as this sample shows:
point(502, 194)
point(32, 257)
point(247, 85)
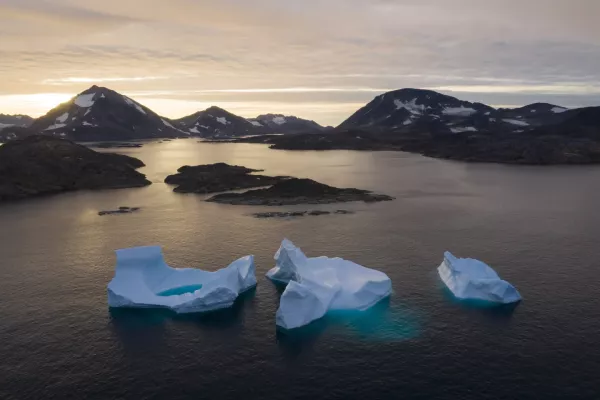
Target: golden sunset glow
point(314, 59)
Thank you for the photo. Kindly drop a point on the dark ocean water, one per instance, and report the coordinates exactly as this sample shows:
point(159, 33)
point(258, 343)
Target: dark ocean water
point(539, 228)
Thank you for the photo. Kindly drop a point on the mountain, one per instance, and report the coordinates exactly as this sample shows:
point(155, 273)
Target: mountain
point(14, 120)
point(216, 122)
point(278, 123)
point(416, 110)
point(102, 114)
point(436, 125)
point(39, 165)
point(405, 107)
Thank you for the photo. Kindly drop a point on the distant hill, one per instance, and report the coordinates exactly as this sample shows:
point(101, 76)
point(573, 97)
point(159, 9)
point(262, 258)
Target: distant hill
point(12, 126)
point(283, 124)
point(19, 120)
point(216, 122)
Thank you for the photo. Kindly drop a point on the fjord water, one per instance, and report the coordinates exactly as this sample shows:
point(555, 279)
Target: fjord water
point(537, 226)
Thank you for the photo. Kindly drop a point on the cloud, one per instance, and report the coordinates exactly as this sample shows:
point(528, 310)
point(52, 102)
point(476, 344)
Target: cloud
point(290, 53)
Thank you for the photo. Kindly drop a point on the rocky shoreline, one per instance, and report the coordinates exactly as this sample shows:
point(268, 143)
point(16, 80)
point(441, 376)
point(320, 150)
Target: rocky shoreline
point(40, 165)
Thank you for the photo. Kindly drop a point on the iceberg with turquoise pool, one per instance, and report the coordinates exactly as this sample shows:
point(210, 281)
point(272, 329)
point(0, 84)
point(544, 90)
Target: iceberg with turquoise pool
point(144, 280)
point(321, 284)
point(470, 279)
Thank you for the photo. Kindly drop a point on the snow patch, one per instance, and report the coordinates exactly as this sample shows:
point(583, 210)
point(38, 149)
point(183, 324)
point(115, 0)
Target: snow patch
point(223, 120)
point(410, 106)
point(167, 123)
point(407, 122)
point(463, 129)
point(2, 126)
point(194, 130)
point(459, 111)
point(279, 120)
point(558, 110)
point(134, 104)
point(515, 122)
point(256, 123)
point(55, 126)
point(62, 118)
point(85, 100)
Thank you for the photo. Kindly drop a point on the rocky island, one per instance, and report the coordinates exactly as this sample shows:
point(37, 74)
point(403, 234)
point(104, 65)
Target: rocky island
point(220, 177)
point(39, 165)
point(298, 191)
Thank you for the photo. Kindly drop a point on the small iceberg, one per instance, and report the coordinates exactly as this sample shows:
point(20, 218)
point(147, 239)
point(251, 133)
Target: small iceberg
point(470, 279)
point(321, 284)
point(143, 279)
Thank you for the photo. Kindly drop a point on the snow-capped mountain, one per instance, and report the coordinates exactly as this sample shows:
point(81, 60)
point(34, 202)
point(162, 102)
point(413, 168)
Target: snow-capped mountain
point(407, 106)
point(7, 121)
point(102, 114)
point(415, 110)
point(216, 122)
point(278, 123)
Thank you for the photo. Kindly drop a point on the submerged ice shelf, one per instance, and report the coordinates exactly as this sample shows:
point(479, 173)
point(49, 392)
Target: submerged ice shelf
point(470, 279)
point(143, 279)
point(321, 284)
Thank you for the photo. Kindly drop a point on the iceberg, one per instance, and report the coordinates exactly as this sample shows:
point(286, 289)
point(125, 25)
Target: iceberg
point(143, 279)
point(470, 279)
point(321, 284)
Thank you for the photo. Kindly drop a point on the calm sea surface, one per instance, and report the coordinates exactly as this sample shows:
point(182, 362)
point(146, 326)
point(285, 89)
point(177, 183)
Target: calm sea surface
point(538, 226)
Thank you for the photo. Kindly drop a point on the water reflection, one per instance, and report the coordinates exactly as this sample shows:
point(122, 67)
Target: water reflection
point(143, 327)
point(493, 312)
point(384, 322)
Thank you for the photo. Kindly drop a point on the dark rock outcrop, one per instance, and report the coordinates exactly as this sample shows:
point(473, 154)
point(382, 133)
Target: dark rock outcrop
point(116, 145)
point(298, 191)
point(40, 165)
point(218, 177)
point(120, 210)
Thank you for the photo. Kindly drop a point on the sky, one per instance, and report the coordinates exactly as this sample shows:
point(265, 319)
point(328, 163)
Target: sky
point(316, 59)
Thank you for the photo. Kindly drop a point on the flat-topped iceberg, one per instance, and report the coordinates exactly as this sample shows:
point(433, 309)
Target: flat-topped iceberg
point(470, 279)
point(143, 279)
point(320, 284)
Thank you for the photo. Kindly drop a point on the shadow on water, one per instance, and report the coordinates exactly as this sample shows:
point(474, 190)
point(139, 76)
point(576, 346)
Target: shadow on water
point(493, 312)
point(132, 325)
point(381, 323)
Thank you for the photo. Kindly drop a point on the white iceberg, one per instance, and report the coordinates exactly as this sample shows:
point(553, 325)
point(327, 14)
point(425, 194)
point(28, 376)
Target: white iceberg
point(320, 284)
point(143, 279)
point(470, 279)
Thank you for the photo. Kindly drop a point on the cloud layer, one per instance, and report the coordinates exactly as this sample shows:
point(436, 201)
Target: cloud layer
point(316, 58)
